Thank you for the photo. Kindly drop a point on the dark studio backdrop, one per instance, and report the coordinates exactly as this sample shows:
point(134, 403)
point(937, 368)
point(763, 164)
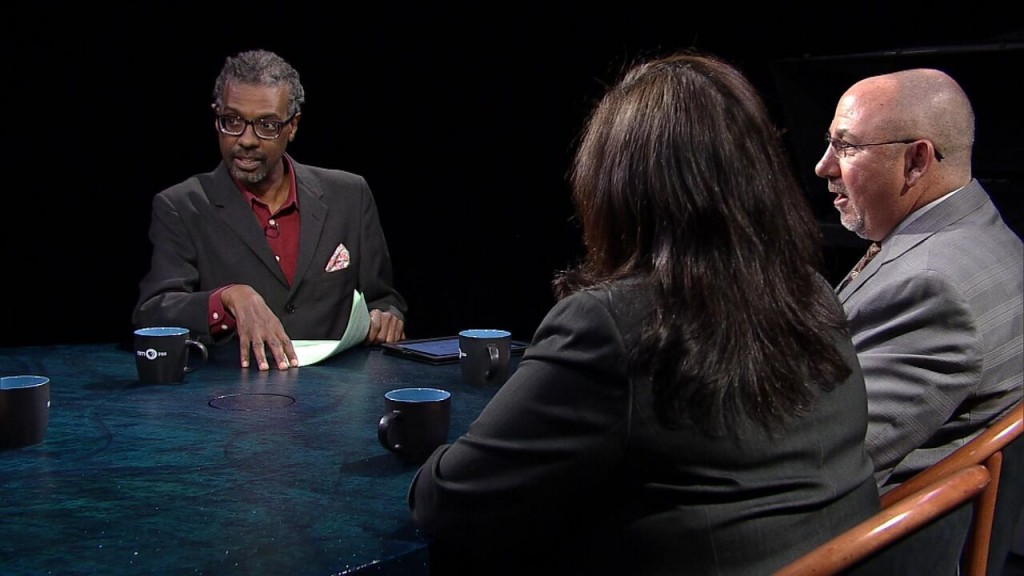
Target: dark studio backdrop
point(462, 120)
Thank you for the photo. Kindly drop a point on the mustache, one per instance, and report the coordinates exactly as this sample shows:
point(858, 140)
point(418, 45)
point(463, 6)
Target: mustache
point(837, 188)
point(242, 155)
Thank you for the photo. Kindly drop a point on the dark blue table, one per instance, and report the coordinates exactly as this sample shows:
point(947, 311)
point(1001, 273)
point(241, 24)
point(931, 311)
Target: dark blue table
point(232, 472)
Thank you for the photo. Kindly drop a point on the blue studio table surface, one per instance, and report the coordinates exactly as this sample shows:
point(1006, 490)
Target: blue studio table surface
point(234, 471)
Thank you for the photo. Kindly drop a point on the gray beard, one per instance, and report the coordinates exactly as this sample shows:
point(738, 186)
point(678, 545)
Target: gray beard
point(250, 177)
point(854, 224)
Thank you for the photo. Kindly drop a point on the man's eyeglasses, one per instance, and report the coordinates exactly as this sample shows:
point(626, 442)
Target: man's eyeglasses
point(264, 128)
point(843, 149)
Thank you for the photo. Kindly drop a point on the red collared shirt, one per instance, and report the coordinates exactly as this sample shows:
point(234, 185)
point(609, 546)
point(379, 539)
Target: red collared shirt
point(282, 232)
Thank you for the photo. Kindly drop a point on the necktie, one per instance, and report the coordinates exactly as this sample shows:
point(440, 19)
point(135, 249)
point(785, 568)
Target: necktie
point(872, 251)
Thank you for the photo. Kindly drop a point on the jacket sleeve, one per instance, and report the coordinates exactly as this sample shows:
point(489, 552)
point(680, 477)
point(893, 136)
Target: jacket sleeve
point(169, 293)
point(544, 450)
point(376, 279)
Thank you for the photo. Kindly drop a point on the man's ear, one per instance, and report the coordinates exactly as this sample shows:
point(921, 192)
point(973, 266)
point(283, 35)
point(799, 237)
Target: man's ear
point(918, 157)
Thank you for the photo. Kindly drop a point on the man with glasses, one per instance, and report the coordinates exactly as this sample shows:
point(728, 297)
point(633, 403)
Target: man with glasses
point(265, 249)
point(936, 314)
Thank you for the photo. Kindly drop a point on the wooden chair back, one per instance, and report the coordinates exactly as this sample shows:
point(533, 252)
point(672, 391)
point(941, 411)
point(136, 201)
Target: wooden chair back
point(891, 525)
point(986, 449)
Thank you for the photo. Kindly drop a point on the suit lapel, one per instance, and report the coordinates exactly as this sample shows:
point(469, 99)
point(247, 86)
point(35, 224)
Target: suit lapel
point(238, 217)
point(948, 212)
point(312, 214)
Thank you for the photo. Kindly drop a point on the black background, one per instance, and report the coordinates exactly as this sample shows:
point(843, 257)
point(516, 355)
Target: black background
point(462, 119)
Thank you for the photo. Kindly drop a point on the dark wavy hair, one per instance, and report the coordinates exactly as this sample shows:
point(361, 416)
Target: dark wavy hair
point(681, 181)
point(260, 68)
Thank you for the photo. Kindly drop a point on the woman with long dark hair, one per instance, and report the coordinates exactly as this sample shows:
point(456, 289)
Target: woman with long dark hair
point(692, 404)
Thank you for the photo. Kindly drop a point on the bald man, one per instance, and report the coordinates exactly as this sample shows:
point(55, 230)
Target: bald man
point(936, 314)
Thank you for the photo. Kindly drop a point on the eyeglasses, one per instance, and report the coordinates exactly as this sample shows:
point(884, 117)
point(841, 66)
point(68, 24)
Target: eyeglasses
point(842, 149)
point(264, 128)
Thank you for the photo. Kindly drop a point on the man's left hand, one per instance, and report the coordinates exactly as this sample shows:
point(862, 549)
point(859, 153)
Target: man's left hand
point(384, 327)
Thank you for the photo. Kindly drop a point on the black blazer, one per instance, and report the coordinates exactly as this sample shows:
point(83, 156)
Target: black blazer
point(205, 236)
point(568, 471)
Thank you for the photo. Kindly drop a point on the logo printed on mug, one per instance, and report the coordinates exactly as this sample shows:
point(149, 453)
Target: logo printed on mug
point(150, 354)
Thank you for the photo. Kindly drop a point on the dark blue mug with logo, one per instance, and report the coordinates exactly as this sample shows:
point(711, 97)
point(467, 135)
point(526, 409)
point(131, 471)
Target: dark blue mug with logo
point(163, 354)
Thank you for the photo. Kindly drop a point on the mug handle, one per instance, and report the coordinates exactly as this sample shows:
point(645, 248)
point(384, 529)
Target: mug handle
point(204, 354)
point(494, 361)
point(382, 430)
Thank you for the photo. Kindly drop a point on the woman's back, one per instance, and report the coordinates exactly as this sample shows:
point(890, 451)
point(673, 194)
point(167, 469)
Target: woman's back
point(568, 470)
point(747, 502)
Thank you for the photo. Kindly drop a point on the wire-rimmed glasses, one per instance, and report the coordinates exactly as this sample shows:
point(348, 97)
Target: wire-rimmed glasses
point(842, 149)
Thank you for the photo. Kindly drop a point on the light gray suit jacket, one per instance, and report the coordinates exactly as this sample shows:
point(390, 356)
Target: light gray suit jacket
point(936, 318)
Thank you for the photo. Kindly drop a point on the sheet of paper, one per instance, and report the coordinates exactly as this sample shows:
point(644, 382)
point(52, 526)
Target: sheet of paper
point(313, 351)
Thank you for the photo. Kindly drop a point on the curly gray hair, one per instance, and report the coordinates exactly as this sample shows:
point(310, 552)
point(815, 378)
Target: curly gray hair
point(261, 68)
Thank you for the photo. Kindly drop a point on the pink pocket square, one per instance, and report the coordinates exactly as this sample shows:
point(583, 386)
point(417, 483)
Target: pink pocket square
point(339, 260)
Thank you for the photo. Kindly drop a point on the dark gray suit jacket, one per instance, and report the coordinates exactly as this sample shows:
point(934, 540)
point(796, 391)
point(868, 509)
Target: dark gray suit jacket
point(936, 318)
point(567, 470)
point(205, 236)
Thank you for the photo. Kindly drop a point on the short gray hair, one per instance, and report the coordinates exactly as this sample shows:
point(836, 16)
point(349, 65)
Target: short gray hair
point(261, 68)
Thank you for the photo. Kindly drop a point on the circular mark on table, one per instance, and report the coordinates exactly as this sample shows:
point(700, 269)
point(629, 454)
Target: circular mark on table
point(250, 402)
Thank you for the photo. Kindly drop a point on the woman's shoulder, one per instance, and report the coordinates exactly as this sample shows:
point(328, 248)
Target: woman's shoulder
point(618, 297)
point(621, 306)
point(590, 327)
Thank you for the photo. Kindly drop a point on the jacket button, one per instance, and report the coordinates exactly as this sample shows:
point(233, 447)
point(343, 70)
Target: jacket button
point(290, 308)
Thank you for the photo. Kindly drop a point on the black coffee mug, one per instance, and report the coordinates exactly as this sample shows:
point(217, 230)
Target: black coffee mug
point(415, 422)
point(484, 356)
point(24, 410)
point(162, 354)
